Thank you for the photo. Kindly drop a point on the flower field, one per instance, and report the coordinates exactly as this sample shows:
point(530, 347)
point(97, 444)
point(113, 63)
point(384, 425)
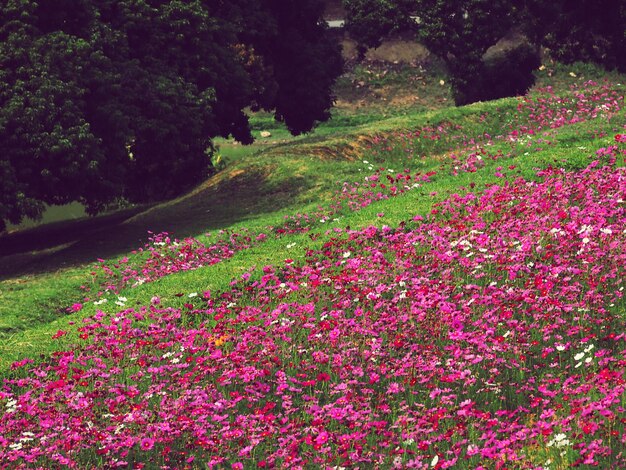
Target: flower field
point(489, 332)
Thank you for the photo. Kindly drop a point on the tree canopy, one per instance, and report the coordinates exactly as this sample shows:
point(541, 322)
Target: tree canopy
point(580, 30)
point(461, 32)
point(102, 99)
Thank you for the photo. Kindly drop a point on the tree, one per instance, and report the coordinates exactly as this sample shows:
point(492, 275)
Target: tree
point(580, 30)
point(459, 32)
point(102, 99)
point(370, 21)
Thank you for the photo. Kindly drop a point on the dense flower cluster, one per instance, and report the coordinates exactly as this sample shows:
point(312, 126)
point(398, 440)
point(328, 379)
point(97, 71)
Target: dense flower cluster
point(490, 333)
point(529, 128)
point(163, 255)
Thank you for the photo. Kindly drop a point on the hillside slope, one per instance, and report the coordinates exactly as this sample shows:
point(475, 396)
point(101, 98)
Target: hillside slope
point(432, 290)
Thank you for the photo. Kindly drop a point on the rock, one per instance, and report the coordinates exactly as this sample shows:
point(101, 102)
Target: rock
point(266, 134)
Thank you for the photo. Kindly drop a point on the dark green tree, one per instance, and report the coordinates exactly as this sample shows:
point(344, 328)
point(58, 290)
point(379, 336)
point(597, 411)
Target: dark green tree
point(580, 30)
point(101, 99)
point(458, 32)
point(370, 21)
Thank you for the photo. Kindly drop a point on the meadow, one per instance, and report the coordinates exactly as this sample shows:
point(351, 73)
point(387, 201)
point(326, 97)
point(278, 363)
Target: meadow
point(412, 286)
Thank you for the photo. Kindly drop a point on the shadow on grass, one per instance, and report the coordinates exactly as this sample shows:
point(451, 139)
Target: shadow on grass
point(229, 197)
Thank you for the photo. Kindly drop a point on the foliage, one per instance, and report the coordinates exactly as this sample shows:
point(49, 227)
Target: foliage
point(102, 99)
point(370, 21)
point(580, 30)
point(458, 32)
point(509, 72)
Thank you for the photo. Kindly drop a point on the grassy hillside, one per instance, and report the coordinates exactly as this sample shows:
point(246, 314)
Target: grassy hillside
point(412, 285)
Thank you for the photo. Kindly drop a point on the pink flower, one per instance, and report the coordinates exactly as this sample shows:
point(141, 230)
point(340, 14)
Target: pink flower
point(146, 443)
point(322, 438)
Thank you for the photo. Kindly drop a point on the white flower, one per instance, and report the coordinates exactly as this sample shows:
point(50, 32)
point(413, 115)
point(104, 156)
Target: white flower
point(122, 299)
point(559, 440)
point(193, 294)
point(588, 360)
point(579, 356)
point(560, 347)
point(434, 461)
point(586, 240)
point(11, 406)
point(606, 231)
point(589, 348)
point(346, 254)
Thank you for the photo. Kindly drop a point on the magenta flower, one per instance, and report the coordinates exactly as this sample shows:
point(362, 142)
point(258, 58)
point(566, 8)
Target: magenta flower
point(146, 443)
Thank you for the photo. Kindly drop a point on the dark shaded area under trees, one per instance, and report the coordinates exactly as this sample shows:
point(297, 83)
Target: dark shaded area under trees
point(109, 99)
point(461, 32)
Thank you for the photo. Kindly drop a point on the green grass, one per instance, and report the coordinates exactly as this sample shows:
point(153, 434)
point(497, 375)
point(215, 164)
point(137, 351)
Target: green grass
point(42, 269)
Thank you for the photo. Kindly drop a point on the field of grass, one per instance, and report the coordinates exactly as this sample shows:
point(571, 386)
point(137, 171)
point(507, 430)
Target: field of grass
point(412, 286)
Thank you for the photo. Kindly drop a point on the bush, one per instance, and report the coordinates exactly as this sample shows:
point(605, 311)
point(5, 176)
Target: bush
point(509, 70)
